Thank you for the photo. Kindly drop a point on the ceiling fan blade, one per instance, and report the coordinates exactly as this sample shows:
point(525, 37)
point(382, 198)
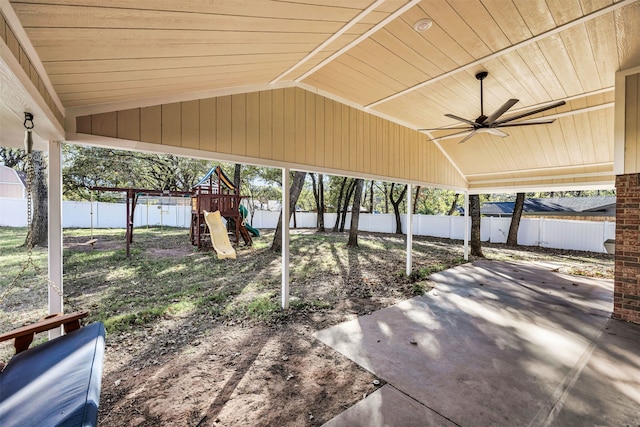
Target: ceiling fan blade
point(451, 135)
point(500, 111)
point(529, 113)
point(460, 119)
point(445, 128)
point(473, 132)
point(496, 132)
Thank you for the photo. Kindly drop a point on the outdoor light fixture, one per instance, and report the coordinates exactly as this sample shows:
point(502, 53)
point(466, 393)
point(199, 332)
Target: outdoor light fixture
point(28, 138)
point(423, 25)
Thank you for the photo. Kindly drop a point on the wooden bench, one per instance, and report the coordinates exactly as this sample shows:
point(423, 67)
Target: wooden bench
point(24, 336)
point(58, 382)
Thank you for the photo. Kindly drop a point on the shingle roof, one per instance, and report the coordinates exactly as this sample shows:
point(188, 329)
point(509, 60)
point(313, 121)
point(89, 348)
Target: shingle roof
point(552, 205)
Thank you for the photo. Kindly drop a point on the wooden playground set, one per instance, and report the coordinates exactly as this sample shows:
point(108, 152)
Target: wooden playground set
point(215, 193)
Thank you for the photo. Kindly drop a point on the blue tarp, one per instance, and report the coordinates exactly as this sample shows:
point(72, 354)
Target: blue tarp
point(56, 383)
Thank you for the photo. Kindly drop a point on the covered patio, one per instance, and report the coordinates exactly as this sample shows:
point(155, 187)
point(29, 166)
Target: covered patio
point(341, 88)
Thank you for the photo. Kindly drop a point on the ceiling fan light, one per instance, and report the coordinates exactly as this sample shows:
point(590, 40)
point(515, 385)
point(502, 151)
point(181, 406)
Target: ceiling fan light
point(423, 25)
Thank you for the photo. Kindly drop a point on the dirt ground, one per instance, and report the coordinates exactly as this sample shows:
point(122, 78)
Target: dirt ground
point(195, 341)
point(199, 370)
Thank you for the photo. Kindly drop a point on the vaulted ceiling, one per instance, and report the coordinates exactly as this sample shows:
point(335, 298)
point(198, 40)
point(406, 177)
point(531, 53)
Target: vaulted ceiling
point(105, 55)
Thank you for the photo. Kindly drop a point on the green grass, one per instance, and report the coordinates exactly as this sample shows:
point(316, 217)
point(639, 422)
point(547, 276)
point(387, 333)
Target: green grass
point(168, 280)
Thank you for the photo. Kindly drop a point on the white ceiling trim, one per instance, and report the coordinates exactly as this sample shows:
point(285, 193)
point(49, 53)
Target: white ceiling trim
point(546, 177)
point(511, 48)
point(333, 37)
point(25, 42)
point(592, 185)
point(145, 147)
point(575, 112)
point(357, 41)
point(567, 99)
point(559, 168)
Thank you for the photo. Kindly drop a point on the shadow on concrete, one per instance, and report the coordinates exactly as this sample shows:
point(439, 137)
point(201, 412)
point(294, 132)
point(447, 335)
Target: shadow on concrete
point(499, 343)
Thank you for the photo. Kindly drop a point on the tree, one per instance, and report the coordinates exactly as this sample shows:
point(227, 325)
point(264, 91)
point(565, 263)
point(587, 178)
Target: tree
point(17, 158)
point(396, 206)
point(474, 208)
point(355, 214)
point(236, 175)
point(371, 207)
point(338, 203)
point(345, 206)
point(318, 194)
point(454, 205)
point(13, 158)
point(85, 167)
point(296, 187)
point(386, 197)
point(415, 200)
point(512, 239)
point(38, 234)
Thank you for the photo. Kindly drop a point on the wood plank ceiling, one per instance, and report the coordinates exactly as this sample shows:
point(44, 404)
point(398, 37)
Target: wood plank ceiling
point(367, 53)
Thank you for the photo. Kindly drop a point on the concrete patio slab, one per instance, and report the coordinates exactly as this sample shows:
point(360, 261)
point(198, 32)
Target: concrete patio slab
point(388, 407)
point(499, 343)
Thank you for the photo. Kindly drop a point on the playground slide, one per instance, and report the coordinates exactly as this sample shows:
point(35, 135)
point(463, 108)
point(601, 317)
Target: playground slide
point(244, 213)
point(252, 230)
point(219, 237)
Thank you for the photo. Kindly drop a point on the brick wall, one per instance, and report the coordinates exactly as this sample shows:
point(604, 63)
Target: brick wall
point(626, 296)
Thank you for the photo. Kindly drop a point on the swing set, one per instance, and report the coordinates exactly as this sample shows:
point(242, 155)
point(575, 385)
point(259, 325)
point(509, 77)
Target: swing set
point(56, 383)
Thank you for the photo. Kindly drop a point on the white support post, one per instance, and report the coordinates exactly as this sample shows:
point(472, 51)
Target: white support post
point(466, 226)
point(55, 232)
point(285, 237)
point(409, 228)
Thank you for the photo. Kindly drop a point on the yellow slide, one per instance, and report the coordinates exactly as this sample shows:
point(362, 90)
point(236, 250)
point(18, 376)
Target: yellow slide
point(219, 237)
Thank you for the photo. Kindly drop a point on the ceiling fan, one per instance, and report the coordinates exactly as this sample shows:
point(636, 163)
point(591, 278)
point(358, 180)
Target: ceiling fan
point(492, 123)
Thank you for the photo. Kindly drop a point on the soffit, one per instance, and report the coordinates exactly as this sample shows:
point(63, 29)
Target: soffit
point(98, 52)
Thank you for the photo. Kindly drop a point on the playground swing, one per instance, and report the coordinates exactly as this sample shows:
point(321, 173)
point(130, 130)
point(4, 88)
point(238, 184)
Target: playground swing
point(92, 241)
point(56, 383)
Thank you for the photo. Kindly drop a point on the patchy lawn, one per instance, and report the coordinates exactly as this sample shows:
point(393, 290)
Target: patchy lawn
point(193, 340)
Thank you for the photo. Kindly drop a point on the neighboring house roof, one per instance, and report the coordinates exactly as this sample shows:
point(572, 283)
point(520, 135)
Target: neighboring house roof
point(13, 183)
point(23, 177)
point(597, 205)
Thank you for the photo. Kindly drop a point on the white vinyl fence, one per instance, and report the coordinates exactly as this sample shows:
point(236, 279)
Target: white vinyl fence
point(547, 233)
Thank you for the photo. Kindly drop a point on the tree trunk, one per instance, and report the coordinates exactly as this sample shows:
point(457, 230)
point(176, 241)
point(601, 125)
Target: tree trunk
point(512, 239)
point(396, 207)
point(236, 176)
point(386, 197)
point(316, 197)
point(371, 198)
point(474, 209)
point(415, 200)
point(40, 213)
point(296, 188)
point(337, 224)
point(345, 206)
point(355, 214)
point(321, 207)
point(454, 205)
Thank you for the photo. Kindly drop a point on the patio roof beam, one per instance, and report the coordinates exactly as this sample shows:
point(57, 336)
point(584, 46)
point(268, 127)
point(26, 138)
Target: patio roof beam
point(56, 303)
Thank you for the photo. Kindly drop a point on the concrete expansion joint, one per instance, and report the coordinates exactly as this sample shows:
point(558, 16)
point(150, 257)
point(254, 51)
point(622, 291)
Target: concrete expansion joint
point(554, 405)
